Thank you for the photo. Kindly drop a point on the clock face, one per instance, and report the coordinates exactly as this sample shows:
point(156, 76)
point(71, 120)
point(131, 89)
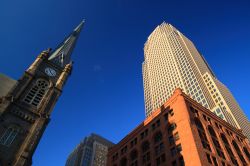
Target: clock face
point(50, 72)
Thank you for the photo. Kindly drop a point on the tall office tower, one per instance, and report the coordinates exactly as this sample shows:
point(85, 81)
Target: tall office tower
point(171, 61)
point(26, 104)
point(182, 132)
point(92, 151)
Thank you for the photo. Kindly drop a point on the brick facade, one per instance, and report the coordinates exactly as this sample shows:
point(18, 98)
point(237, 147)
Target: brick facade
point(182, 132)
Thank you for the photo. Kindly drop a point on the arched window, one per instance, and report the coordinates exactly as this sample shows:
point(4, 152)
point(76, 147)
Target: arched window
point(247, 153)
point(9, 135)
point(236, 147)
point(158, 137)
point(145, 146)
point(202, 134)
point(229, 150)
point(216, 142)
point(37, 92)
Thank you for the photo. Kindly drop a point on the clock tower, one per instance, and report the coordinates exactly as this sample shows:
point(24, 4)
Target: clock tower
point(25, 110)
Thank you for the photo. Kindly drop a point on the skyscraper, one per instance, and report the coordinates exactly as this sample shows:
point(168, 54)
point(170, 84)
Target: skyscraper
point(92, 151)
point(172, 61)
point(26, 104)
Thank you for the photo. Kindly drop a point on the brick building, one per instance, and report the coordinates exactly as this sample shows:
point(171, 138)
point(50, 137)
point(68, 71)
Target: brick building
point(182, 132)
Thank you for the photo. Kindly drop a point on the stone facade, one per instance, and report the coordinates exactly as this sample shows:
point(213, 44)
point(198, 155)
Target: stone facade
point(182, 132)
point(27, 120)
point(25, 110)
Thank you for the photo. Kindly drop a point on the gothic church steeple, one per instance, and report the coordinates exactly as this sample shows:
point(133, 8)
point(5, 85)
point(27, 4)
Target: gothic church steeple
point(61, 55)
point(25, 110)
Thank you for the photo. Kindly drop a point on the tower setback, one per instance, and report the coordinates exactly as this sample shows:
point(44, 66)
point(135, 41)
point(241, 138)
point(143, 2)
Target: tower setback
point(25, 110)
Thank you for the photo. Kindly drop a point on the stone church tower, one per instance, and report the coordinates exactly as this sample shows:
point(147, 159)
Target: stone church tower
point(25, 110)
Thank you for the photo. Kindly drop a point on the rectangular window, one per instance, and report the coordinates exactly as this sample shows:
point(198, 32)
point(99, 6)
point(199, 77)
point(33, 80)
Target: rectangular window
point(158, 123)
point(176, 136)
point(179, 148)
point(153, 126)
point(173, 151)
point(215, 161)
point(209, 158)
point(171, 140)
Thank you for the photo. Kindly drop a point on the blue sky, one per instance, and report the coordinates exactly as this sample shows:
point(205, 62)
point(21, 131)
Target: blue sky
point(105, 91)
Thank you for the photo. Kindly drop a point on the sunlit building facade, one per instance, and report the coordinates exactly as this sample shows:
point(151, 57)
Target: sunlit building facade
point(172, 61)
point(182, 132)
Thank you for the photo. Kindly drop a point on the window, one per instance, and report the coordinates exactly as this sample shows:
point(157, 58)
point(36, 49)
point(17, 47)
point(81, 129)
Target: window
point(146, 158)
point(236, 147)
point(194, 111)
point(37, 92)
point(145, 146)
point(171, 127)
point(166, 117)
point(209, 158)
point(144, 134)
point(158, 122)
point(173, 151)
point(133, 142)
point(124, 150)
point(202, 134)
point(178, 148)
point(171, 113)
point(133, 155)
point(8, 137)
point(158, 137)
point(215, 161)
point(153, 126)
point(229, 150)
point(216, 142)
point(115, 157)
point(176, 136)
point(171, 140)
point(247, 153)
point(204, 117)
point(160, 159)
point(159, 148)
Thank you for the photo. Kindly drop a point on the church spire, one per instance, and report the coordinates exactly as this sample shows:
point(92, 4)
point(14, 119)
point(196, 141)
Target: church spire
point(61, 55)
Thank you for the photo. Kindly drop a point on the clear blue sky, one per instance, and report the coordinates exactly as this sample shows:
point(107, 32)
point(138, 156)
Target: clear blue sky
point(105, 91)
